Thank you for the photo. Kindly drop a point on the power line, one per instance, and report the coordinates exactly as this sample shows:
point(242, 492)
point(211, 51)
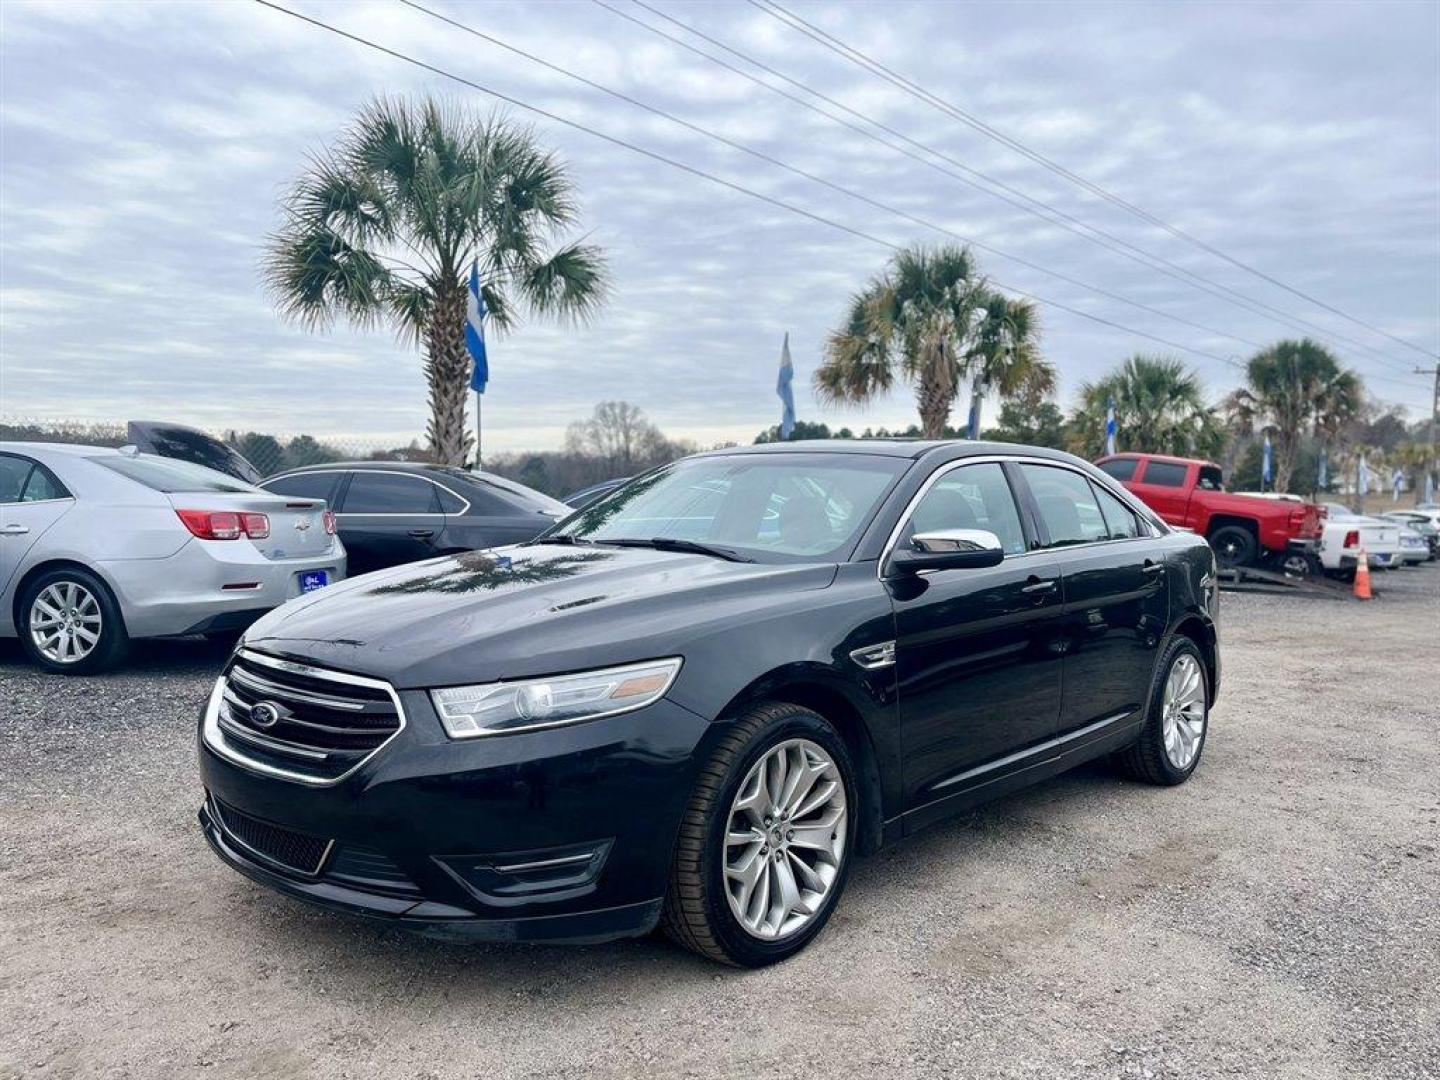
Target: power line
point(1028, 204)
point(702, 174)
point(776, 11)
point(795, 170)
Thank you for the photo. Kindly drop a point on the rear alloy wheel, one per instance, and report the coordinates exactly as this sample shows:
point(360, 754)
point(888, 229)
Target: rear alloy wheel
point(1177, 721)
point(763, 851)
point(1234, 546)
point(70, 624)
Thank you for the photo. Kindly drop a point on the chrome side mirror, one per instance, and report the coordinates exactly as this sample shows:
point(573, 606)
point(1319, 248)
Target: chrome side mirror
point(947, 549)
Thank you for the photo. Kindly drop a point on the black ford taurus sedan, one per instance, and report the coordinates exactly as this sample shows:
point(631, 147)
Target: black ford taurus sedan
point(695, 702)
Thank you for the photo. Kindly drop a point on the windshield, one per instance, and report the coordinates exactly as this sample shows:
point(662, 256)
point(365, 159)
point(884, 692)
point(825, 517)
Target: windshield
point(770, 507)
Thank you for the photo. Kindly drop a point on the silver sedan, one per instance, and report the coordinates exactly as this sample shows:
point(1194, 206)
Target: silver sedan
point(98, 546)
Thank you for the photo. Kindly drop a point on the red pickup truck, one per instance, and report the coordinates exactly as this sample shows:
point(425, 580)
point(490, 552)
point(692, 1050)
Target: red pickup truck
point(1243, 529)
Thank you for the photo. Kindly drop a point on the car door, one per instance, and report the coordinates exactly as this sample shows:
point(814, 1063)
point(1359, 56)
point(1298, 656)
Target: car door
point(1114, 593)
point(387, 518)
point(32, 499)
point(481, 515)
point(977, 667)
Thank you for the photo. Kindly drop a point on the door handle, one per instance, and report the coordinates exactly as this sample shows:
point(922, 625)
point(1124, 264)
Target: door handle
point(1037, 586)
point(1152, 567)
point(14, 530)
point(422, 534)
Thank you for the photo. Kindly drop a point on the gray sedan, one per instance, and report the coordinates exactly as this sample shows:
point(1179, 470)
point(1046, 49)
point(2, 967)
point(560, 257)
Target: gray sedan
point(98, 546)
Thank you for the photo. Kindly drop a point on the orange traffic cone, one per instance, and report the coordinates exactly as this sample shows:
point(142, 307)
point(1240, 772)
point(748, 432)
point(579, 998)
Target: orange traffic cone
point(1362, 576)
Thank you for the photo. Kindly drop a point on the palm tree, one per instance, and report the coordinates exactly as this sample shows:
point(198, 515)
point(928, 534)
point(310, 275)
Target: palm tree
point(1295, 388)
point(930, 320)
point(1006, 354)
point(1159, 408)
point(386, 224)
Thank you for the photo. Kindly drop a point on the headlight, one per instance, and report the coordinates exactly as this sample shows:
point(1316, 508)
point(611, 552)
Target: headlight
point(468, 712)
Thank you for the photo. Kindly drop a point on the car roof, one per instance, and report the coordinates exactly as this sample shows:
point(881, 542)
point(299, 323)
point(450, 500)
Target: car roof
point(1138, 454)
point(914, 449)
point(77, 449)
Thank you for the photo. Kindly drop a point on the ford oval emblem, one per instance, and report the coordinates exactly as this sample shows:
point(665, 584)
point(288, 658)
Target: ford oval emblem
point(264, 714)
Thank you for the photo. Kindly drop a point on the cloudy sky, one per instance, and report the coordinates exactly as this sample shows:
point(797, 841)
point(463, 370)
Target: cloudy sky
point(144, 145)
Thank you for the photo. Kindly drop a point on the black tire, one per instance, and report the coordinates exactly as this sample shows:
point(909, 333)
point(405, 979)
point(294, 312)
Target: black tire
point(697, 911)
point(113, 643)
point(1146, 759)
point(1234, 545)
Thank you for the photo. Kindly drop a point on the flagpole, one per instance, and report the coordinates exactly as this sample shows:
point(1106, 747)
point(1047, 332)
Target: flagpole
point(478, 458)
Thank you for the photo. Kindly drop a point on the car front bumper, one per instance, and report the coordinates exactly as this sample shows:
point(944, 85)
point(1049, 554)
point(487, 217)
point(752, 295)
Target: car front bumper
point(210, 585)
point(565, 834)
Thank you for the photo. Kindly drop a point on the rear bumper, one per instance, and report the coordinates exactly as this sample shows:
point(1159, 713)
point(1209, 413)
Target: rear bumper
point(187, 592)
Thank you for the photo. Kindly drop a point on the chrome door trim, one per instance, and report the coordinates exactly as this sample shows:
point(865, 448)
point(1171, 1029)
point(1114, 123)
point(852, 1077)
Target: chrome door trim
point(382, 472)
point(1034, 751)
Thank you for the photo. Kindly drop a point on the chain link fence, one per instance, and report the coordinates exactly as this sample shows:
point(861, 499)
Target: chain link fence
point(269, 453)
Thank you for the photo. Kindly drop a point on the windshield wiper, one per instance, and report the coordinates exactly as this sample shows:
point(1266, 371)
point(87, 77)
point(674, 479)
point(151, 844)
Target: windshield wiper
point(670, 543)
point(559, 538)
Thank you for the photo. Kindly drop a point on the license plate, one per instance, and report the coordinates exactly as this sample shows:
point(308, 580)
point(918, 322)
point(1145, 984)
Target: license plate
point(310, 580)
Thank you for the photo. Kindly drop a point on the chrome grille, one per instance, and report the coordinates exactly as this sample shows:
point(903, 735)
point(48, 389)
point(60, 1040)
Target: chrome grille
point(302, 721)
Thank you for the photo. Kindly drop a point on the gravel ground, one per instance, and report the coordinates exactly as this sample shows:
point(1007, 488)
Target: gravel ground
point(1277, 916)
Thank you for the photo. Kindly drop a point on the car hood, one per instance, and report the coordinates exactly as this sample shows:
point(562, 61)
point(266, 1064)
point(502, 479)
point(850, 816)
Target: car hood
point(523, 610)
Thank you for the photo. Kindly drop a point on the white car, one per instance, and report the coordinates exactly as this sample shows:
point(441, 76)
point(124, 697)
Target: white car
point(1423, 522)
point(1345, 534)
point(1413, 548)
point(98, 546)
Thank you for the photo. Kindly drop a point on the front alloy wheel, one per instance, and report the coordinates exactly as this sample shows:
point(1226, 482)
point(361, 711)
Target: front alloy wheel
point(786, 839)
point(763, 850)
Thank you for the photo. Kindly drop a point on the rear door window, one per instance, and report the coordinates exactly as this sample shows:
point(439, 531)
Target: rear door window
point(390, 493)
point(315, 485)
point(1069, 508)
point(1164, 473)
point(14, 472)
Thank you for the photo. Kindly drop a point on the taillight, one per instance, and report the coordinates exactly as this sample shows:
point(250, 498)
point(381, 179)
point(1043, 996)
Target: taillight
point(224, 524)
point(1352, 538)
point(328, 520)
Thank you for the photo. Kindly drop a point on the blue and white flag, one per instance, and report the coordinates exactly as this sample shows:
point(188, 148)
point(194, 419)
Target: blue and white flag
point(1110, 426)
point(1397, 481)
point(1322, 481)
point(783, 388)
point(475, 332)
point(973, 429)
point(1362, 477)
point(1267, 462)
point(1429, 486)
